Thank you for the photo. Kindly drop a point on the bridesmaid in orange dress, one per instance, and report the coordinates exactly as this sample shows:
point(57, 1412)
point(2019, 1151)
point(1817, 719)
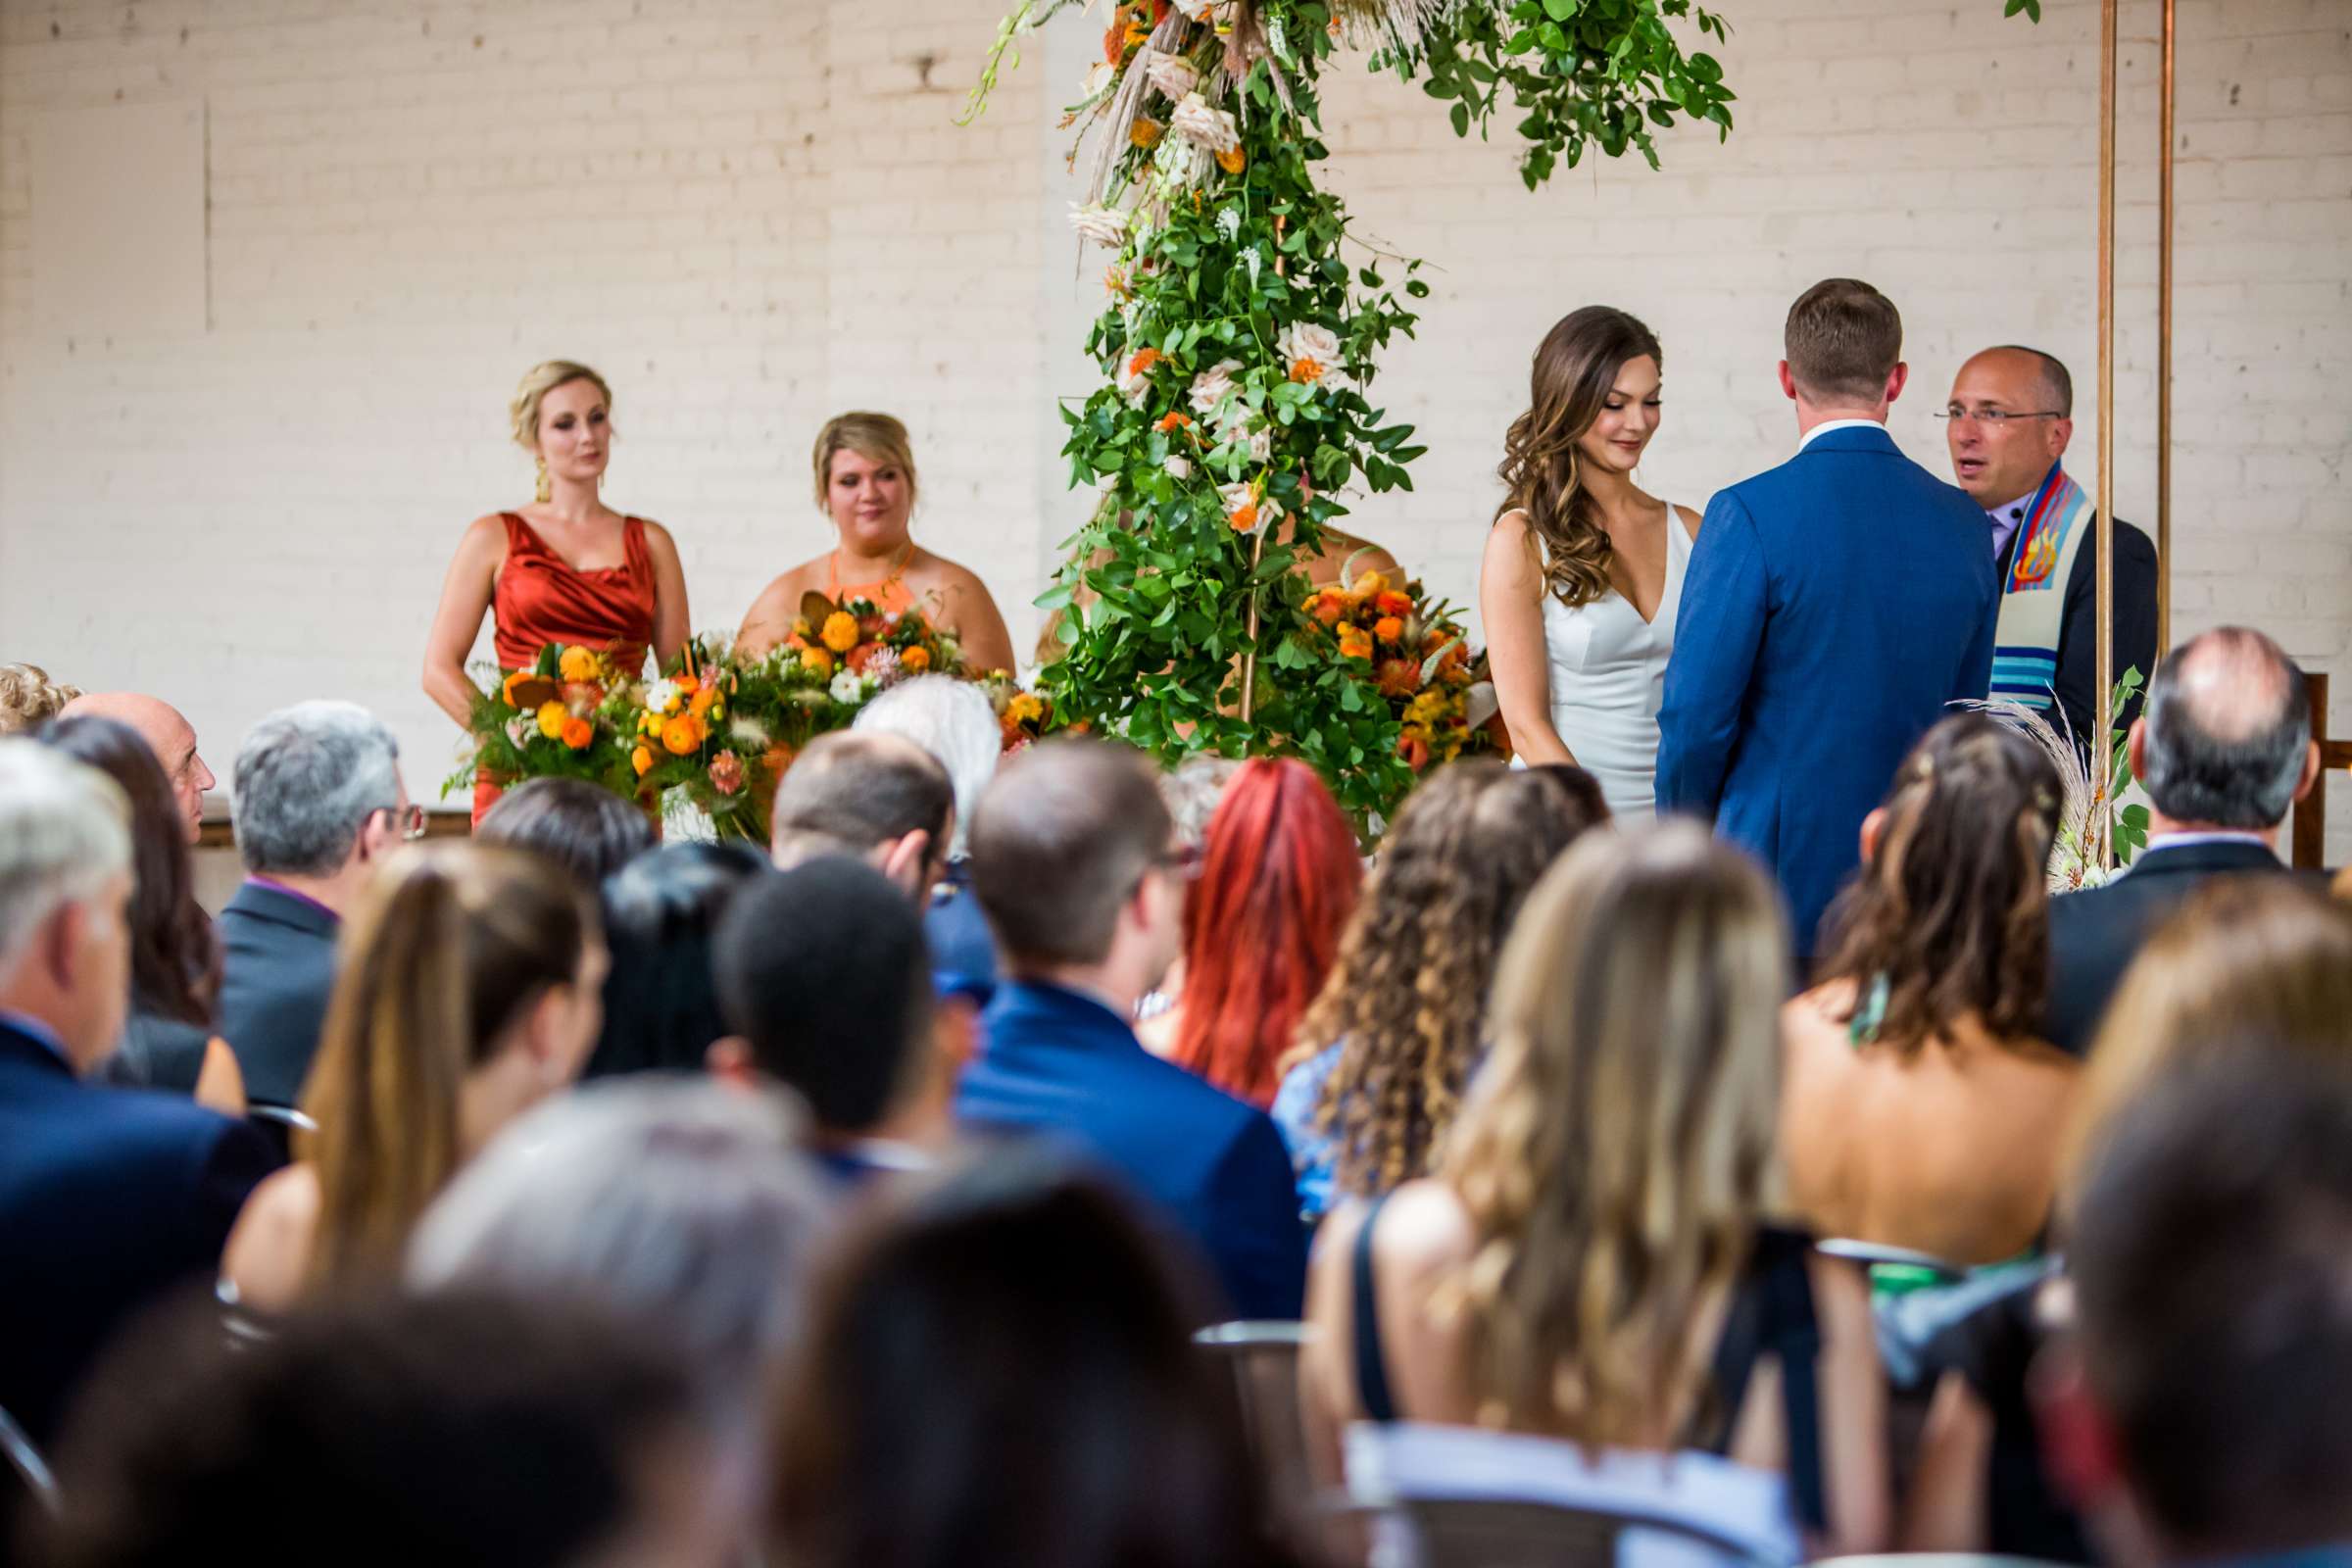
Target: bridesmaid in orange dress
point(864, 476)
point(565, 569)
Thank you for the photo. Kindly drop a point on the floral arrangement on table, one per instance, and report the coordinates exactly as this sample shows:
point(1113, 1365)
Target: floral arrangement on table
point(716, 730)
point(1421, 661)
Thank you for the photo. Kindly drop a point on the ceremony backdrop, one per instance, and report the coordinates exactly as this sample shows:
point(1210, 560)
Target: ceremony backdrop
point(752, 214)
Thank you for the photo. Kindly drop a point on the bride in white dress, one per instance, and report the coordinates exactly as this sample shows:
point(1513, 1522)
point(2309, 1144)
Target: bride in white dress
point(1584, 569)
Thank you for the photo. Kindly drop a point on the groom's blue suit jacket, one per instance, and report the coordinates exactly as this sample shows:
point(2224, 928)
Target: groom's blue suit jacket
point(1832, 607)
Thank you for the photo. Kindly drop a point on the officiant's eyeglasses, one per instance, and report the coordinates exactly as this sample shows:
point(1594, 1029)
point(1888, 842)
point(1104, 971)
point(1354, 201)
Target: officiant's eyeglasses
point(407, 820)
point(1994, 417)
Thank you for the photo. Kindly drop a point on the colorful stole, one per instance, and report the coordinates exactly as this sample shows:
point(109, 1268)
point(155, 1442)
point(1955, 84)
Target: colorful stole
point(2041, 562)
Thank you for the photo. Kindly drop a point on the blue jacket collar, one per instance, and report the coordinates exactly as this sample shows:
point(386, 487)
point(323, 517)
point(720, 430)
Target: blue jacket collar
point(35, 1041)
point(1045, 1002)
point(1853, 438)
point(264, 902)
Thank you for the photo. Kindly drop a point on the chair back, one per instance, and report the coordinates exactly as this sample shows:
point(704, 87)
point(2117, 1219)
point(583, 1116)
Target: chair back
point(1262, 1361)
point(1473, 1499)
point(278, 1125)
point(25, 1463)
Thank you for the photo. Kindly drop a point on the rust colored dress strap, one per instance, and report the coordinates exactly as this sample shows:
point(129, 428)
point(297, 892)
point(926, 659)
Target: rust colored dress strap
point(890, 597)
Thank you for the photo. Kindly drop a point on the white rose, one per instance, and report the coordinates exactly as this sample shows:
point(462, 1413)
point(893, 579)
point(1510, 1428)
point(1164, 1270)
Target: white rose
point(1312, 341)
point(1212, 387)
point(1261, 443)
point(1173, 74)
point(1179, 469)
point(1104, 225)
point(848, 686)
point(1212, 129)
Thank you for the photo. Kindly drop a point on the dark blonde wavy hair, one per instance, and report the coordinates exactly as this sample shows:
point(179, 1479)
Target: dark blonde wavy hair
point(1953, 911)
point(1407, 997)
point(1615, 1158)
point(1574, 372)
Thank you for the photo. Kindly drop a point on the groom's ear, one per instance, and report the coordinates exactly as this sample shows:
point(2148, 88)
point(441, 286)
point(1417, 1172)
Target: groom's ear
point(1900, 379)
point(1788, 382)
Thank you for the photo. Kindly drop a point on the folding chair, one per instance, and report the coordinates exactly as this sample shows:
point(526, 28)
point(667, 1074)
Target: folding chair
point(1262, 1360)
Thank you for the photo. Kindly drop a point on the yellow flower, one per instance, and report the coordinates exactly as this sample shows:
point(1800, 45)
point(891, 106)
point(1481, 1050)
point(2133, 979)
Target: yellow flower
point(1025, 709)
point(578, 664)
point(1146, 133)
point(840, 631)
point(642, 759)
point(1232, 159)
point(550, 719)
point(506, 691)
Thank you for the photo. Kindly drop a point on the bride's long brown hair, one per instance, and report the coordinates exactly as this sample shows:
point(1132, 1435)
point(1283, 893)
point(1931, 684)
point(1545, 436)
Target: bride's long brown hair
point(1574, 372)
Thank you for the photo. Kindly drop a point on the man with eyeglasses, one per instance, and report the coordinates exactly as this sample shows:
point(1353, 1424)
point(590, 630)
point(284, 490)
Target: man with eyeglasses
point(2009, 420)
point(319, 804)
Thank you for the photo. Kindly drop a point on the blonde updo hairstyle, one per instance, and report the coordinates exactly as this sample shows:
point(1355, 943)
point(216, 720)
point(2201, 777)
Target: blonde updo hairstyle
point(537, 384)
point(875, 437)
point(27, 696)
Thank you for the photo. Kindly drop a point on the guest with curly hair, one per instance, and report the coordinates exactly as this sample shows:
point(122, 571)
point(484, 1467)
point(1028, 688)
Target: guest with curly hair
point(1920, 1109)
point(1384, 1053)
point(27, 696)
point(1261, 928)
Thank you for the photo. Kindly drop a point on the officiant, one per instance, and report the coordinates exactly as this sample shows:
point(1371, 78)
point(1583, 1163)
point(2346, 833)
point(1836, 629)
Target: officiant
point(2009, 420)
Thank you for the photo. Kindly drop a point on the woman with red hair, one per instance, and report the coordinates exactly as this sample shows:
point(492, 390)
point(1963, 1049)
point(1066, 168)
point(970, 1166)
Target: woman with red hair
point(1277, 880)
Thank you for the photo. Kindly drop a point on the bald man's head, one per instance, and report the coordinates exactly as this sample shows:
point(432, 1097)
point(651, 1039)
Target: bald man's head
point(168, 734)
point(2010, 416)
point(2228, 737)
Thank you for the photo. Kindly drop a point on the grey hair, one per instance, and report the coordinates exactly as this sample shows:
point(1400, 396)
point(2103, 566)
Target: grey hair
point(2236, 774)
point(952, 720)
point(676, 1199)
point(1192, 789)
point(65, 829)
point(307, 777)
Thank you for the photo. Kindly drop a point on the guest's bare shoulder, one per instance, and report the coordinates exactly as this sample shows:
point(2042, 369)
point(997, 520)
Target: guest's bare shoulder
point(769, 620)
point(1688, 519)
point(268, 1251)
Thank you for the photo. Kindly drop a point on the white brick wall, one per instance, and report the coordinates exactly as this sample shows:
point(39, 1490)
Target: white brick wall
point(753, 213)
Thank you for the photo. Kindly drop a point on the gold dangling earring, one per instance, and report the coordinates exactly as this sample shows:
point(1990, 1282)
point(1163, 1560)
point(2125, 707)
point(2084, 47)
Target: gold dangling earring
point(546, 490)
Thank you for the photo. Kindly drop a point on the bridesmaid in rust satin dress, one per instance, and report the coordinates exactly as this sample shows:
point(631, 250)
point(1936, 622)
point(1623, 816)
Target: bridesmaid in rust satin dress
point(566, 569)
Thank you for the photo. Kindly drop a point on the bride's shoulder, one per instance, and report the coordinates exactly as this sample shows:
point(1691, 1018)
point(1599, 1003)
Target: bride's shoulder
point(1688, 517)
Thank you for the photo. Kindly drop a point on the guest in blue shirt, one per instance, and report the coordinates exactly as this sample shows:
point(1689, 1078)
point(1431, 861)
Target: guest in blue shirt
point(1074, 861)
point(825, 981)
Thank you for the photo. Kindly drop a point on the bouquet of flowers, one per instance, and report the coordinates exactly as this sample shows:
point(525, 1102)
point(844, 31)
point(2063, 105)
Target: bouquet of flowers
point(1421, 661)
point(1023, 716)
point(558, 718)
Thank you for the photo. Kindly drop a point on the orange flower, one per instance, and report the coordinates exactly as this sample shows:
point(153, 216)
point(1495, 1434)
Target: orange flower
point(840, 631)
point(687, 683)
point(1173, 421)
point(1233, 160)
point(1391, 602)
point(1326, 607)
point(1115, 280)
point(917, 660)
point(578, 733)
point(642, 759)
point(1388, 628)
point(576, 664)
point(1371, 585)
point(699, 708)
point(1114, 42)
point(1245, 516)
point(1354, 643)
point(1142, 361)
point(506, 691)
point(778, 758)
point(1414, 750)
point(1400, 677)
point(862, 655)
point(1307, 371)
point(682, 736)
point(818, 662)
point(1146, 133)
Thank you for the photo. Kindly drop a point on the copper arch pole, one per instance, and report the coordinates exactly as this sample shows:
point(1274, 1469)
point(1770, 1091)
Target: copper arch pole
point(2164, 357)
point(2103, 526)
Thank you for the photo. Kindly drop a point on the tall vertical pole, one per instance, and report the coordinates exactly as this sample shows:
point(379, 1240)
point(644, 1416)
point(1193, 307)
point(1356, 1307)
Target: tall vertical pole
point(2164, 358)
point(2102, 747)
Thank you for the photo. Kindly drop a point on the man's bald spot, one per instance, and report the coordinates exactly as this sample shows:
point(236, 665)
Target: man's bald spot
point(2234, 682)
point(2045, 373)
point(166, 731)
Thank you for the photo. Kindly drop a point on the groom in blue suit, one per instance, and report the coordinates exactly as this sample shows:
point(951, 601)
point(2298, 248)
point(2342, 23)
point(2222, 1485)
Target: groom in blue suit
point(1833, 606)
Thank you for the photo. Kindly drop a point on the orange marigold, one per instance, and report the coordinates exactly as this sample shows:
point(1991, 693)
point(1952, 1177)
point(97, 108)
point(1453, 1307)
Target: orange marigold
point(1326, 607)
point(1233, 160)
point(1173, 421)
point(699, 708)
point(682, 736)
point(1245, 516)
point(1144, 360)
point(840, 631)
point(1354, 643)
point(1307, 371)
point(917, 660)
point(1393, 603)
point(1146, 133)
point(642, 759)
point(1388, 628)
point(578, 733)
point(818, 662)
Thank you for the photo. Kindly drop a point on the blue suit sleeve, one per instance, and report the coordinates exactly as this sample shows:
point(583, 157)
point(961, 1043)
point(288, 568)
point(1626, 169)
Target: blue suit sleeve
point(1719, 632)
point(1257, 1240)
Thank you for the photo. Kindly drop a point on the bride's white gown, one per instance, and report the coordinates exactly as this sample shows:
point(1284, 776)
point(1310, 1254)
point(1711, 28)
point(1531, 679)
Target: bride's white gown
point(1607, 669)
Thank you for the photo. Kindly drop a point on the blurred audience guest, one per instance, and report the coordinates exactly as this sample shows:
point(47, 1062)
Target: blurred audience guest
point(1191, 790)
point(1580, 789)
point(1277, 880)
point(880, 798)
point(676, 1202)
point(168, 1041)
point(591, 832)
point(468, 1430)
point(469, 993)
point(27, 696)
point(826, 985)
point(660, 912)
point(1002, 1373)
point(168, 734)
point(1386, 1051)
point(2212, 1320)
point(2242, 957)
point(1916, 1107)
point(319, 805)
point(952, 720)
point(2224, 750)
point(1075, 860)
point(107, 1198)
point(1592, 1260)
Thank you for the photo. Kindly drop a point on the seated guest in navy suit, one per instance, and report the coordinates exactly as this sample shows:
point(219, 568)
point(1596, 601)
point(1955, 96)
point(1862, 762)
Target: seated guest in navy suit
point(1074, 859)
point(108, 1196)
point(319, 804)
point(823, 978)
point(952, 720)
point(2224, 749)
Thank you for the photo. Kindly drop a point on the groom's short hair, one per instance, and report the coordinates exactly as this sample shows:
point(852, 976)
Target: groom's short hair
point(1843, 340)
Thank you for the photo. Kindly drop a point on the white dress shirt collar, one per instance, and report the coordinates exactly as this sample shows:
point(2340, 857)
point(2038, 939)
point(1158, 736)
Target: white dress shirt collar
point(1826, 426)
